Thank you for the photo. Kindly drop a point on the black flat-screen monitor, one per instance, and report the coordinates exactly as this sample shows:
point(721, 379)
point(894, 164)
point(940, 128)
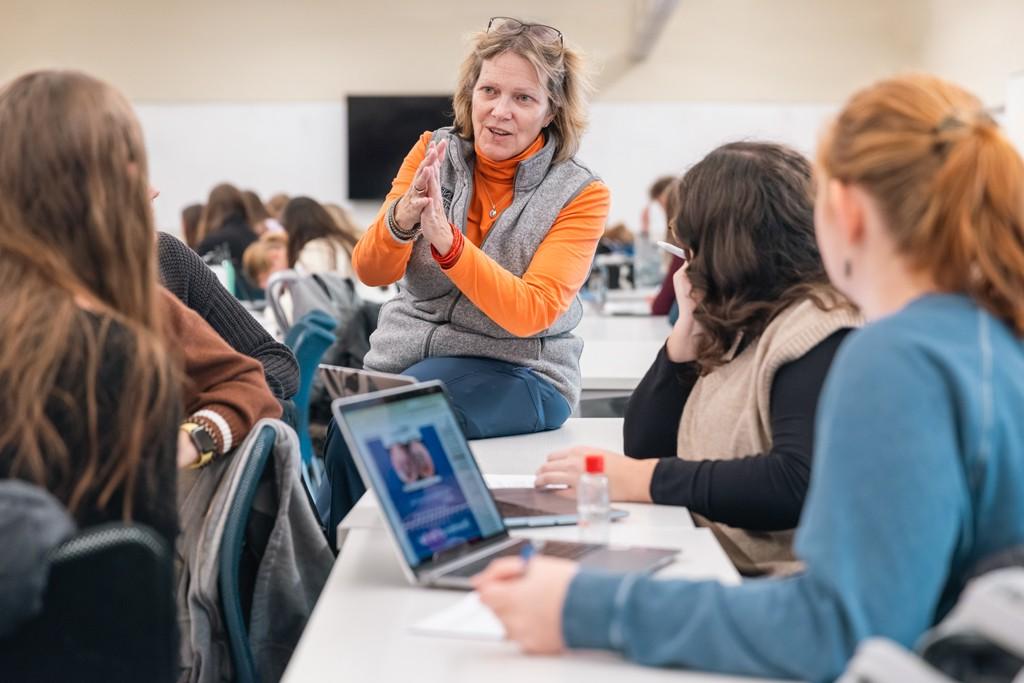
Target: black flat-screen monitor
point(381, 131)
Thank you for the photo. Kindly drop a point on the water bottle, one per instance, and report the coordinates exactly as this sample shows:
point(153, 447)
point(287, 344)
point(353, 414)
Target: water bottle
point(597, 287)
point(646, 263)
point(593, 506)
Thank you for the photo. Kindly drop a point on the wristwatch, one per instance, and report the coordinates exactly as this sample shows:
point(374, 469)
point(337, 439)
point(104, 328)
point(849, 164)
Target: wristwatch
point(203, 441)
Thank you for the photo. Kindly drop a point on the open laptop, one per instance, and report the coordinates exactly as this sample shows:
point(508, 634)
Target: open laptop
point(340, 381)
point(519, 507)
point(438, 511)
point(530, 507)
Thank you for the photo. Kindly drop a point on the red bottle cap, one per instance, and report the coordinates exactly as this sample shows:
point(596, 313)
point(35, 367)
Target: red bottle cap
point(595, 464)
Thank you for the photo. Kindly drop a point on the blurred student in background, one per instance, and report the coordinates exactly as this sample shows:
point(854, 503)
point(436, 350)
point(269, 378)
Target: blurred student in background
point(316, 242)
point(190, 217)
point(225, 225)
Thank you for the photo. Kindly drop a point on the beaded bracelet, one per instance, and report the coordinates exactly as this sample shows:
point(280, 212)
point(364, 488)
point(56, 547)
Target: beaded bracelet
point(396, 230)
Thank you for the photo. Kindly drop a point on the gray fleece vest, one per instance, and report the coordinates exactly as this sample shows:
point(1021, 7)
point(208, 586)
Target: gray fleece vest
point(431, 317)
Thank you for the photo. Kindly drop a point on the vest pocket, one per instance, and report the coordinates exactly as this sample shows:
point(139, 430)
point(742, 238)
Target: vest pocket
point(433, 309)
point(451, 340)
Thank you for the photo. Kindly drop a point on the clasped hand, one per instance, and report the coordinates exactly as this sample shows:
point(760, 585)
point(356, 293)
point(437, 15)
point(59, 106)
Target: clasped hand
point(422, 202)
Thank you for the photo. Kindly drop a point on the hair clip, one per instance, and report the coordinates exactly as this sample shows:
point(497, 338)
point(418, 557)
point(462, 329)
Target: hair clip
point(951, 122)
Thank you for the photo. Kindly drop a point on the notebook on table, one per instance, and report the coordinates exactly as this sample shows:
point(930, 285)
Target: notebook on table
point(437, 508)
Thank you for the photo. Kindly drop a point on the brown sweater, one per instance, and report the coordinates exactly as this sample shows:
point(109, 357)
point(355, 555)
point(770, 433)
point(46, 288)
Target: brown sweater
point(223, 390)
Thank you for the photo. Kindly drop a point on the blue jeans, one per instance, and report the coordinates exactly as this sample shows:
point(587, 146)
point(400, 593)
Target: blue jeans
point(490, 398)
point(495, 398)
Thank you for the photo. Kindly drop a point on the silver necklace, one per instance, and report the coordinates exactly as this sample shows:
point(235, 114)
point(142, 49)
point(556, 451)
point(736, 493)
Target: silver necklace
point(494, 209)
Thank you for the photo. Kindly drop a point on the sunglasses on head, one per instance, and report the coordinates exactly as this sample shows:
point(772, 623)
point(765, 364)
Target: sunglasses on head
point(544, 33)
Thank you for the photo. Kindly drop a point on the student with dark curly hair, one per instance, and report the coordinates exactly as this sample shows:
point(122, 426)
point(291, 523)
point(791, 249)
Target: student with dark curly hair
point(723, 422)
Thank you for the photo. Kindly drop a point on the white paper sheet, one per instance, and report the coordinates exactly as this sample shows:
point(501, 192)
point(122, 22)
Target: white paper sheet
point(468, 618)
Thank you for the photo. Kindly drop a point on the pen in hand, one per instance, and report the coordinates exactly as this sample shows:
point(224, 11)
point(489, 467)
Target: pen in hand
point(525, 553)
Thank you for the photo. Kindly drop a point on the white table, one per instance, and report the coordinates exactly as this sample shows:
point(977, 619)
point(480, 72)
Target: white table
point(626, 294)
point(615, 366)
point(617, 351)
point(359, 630)
point(595, 327)
point(524, 454)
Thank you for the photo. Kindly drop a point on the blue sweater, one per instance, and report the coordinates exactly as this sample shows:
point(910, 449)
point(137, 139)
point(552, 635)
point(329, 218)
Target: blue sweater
point(919, 474)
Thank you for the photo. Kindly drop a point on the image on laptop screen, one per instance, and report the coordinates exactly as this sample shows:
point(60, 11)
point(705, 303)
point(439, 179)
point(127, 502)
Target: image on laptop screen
point(424, 474)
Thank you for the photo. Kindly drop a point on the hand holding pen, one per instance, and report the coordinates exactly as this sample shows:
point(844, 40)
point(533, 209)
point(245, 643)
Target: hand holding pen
point(526, 594)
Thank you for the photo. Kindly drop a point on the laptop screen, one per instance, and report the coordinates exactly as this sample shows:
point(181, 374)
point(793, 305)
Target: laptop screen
point(341, 381)
point(428, 483)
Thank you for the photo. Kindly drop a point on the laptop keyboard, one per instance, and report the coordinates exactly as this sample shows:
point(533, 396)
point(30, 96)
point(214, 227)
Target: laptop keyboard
point(564, 549)
point(567, 549)
point(515, 510)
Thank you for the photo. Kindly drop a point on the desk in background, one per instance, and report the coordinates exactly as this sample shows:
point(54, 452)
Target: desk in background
point(617, 351)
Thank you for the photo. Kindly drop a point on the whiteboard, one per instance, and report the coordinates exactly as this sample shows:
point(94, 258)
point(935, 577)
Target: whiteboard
point(299, 147)
point(630, 145)
point(295, 147)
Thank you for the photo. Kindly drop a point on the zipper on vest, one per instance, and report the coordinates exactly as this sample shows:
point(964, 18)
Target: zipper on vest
point(426, 344)
point(467, 185)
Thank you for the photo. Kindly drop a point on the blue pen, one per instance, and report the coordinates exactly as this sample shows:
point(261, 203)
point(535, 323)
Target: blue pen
point(527, 551)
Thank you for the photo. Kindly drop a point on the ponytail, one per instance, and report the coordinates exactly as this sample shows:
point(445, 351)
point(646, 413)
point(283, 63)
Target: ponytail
point(977, 208)
point(949, 183)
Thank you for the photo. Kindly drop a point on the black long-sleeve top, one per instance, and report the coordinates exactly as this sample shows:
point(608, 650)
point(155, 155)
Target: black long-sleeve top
point(762, 491)
point(154, 500)
point(188, 278)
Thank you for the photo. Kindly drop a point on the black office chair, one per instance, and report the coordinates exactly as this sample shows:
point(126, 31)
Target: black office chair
point(108, 613)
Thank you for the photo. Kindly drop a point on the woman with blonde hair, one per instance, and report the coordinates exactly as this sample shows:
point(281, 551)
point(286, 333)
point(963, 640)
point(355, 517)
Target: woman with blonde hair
point(90, 408)
point(264, 257)
point(491, 226)
point(920, 219)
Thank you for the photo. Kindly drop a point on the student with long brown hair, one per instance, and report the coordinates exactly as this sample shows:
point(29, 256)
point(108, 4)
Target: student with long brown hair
point(260, 218)
point(723, 421)
point(316, 242)
point(90, 407)
point(226, 224)
point(190, 217)
point(920, 442)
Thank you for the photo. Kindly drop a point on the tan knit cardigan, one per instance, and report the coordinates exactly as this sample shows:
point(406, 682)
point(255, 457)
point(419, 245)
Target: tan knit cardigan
point(727, 415)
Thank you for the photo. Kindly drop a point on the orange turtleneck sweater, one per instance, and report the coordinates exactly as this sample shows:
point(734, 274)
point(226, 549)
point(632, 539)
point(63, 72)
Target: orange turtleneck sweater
point(521, 305)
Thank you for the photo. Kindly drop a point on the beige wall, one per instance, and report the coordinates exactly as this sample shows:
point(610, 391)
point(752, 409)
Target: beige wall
point(711, 50)
point(229, 50)
point(774, 50)
point(260, 50)
point(977, 43)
